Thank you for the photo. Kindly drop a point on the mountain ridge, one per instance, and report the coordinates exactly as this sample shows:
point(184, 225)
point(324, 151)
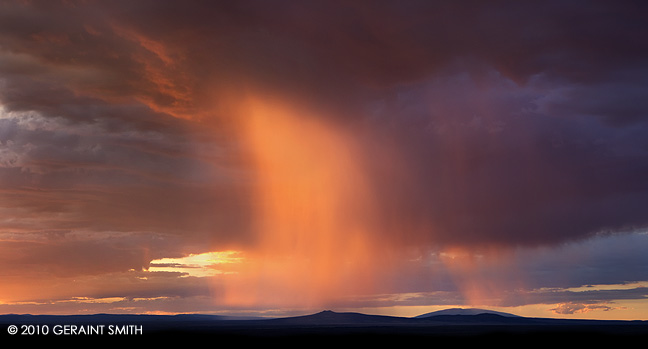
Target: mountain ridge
point(464, 311)
point(325, 316)
point(469, 320)
point(332, 327)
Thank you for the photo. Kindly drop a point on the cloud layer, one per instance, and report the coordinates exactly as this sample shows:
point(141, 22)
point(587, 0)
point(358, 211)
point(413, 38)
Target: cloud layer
point(124, 128)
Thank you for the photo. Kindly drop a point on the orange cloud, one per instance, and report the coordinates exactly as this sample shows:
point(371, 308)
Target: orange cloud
point(483, 276)
point(313, 211)
point(579, 308)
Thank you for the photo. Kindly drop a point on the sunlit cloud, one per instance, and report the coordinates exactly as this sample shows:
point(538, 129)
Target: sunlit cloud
point(574, 308)
point(93, 300)
point(608, 287)
point(198, 265)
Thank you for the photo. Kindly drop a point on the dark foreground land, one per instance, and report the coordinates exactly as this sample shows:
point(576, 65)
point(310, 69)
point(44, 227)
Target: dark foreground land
point(322, 328)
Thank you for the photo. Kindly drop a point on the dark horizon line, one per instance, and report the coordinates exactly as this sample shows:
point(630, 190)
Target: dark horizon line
point(220, 317)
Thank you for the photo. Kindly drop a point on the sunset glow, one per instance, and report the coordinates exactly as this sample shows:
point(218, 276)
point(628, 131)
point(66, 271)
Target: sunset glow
point(313, 211)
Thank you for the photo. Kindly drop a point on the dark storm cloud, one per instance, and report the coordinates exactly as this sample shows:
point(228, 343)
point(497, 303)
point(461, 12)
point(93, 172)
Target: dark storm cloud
point(378, 44)
point(515, 122)
point(489, 164)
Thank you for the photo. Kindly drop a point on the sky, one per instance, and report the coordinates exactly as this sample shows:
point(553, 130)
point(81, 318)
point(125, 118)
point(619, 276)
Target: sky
point(283, 157)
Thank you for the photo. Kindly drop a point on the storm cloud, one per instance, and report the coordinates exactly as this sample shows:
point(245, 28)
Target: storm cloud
point(473, 124)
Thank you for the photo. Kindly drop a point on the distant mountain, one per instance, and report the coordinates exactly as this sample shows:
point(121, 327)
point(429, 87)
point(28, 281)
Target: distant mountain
point(464, 311)
point(445, 323)
point(328, 317)
point(106, 318)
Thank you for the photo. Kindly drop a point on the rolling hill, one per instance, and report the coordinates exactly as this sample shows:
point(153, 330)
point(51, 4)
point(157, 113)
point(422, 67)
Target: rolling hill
point(464, 311)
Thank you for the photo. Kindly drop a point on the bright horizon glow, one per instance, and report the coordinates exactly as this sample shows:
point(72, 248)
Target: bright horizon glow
point(197, 265)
